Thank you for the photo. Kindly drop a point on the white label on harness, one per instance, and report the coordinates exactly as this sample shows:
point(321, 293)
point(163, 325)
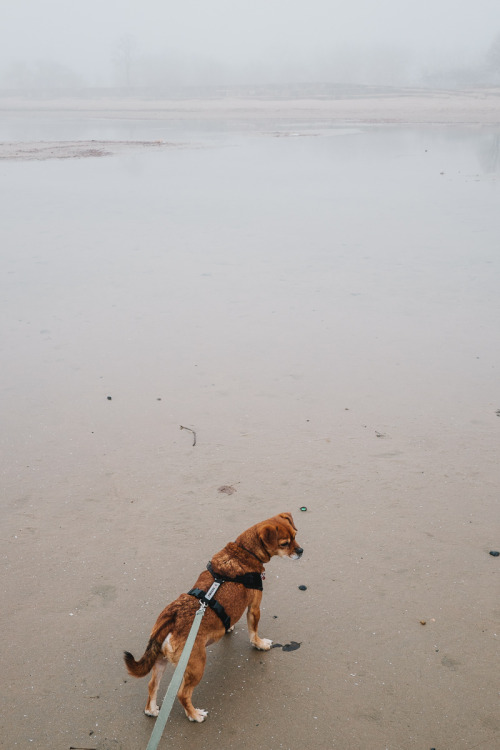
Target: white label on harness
point(212, 590)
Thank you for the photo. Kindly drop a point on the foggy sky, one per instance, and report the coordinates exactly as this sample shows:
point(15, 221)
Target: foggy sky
point(269, 37)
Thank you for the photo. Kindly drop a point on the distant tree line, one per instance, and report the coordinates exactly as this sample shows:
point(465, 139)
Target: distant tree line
point(130, 70)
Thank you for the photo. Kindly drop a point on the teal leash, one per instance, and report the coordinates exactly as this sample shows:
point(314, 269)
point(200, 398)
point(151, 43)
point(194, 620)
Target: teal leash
point(176, 680)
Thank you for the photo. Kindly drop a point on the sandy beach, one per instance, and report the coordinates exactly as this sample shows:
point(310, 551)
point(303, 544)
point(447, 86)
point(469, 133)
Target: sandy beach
point(312, 287)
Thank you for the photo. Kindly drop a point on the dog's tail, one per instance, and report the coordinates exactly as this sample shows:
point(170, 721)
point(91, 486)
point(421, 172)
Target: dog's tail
point(144, 665)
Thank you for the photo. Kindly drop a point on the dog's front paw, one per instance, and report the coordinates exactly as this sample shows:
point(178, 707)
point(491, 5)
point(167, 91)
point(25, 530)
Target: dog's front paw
point(153, 711)
point(262, 644)
point(230, 630)
point(199, 715)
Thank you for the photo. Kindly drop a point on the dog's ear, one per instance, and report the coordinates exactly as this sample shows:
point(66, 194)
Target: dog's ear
point(289, 518)
point(268, 536)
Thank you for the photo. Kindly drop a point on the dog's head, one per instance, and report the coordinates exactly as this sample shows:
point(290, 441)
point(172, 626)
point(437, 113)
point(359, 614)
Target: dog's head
point(277, 537)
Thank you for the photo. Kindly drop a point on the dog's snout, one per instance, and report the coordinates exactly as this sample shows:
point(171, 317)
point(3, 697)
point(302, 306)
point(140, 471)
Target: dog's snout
point(299, 551)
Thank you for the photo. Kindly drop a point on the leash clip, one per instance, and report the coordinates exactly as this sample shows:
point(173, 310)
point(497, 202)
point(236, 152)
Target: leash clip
point(205, 602)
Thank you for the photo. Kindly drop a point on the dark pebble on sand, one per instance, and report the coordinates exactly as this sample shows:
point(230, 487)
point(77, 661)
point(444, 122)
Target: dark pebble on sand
point(303, 588)
point(292, 646)
point(109, 398)
point(494, 553)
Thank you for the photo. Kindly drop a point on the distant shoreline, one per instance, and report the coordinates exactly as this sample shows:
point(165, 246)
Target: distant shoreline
point(332, 105)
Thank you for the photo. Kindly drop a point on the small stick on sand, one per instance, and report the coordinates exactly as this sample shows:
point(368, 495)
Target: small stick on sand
point(190, 430)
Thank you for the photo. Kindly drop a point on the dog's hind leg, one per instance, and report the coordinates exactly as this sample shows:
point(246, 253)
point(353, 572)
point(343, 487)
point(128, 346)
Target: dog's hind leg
point(192, 676)
point(159, 667)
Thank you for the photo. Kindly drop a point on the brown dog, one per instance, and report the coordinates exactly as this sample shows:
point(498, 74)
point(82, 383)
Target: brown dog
point(240, 565)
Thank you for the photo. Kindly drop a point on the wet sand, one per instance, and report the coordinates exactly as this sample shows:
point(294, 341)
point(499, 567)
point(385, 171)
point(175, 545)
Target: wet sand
point(357, 105)
point(315, 296)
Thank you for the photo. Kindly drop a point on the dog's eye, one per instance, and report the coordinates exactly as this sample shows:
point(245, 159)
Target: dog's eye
point(284, 544)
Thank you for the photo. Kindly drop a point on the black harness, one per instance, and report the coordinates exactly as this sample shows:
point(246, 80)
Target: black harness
point(249, 581)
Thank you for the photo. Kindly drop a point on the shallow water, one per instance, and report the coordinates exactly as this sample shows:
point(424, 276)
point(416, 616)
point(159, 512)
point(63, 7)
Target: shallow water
point(303, 266)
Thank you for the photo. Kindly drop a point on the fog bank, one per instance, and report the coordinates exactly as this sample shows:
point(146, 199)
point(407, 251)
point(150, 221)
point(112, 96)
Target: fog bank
point(132, 44)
